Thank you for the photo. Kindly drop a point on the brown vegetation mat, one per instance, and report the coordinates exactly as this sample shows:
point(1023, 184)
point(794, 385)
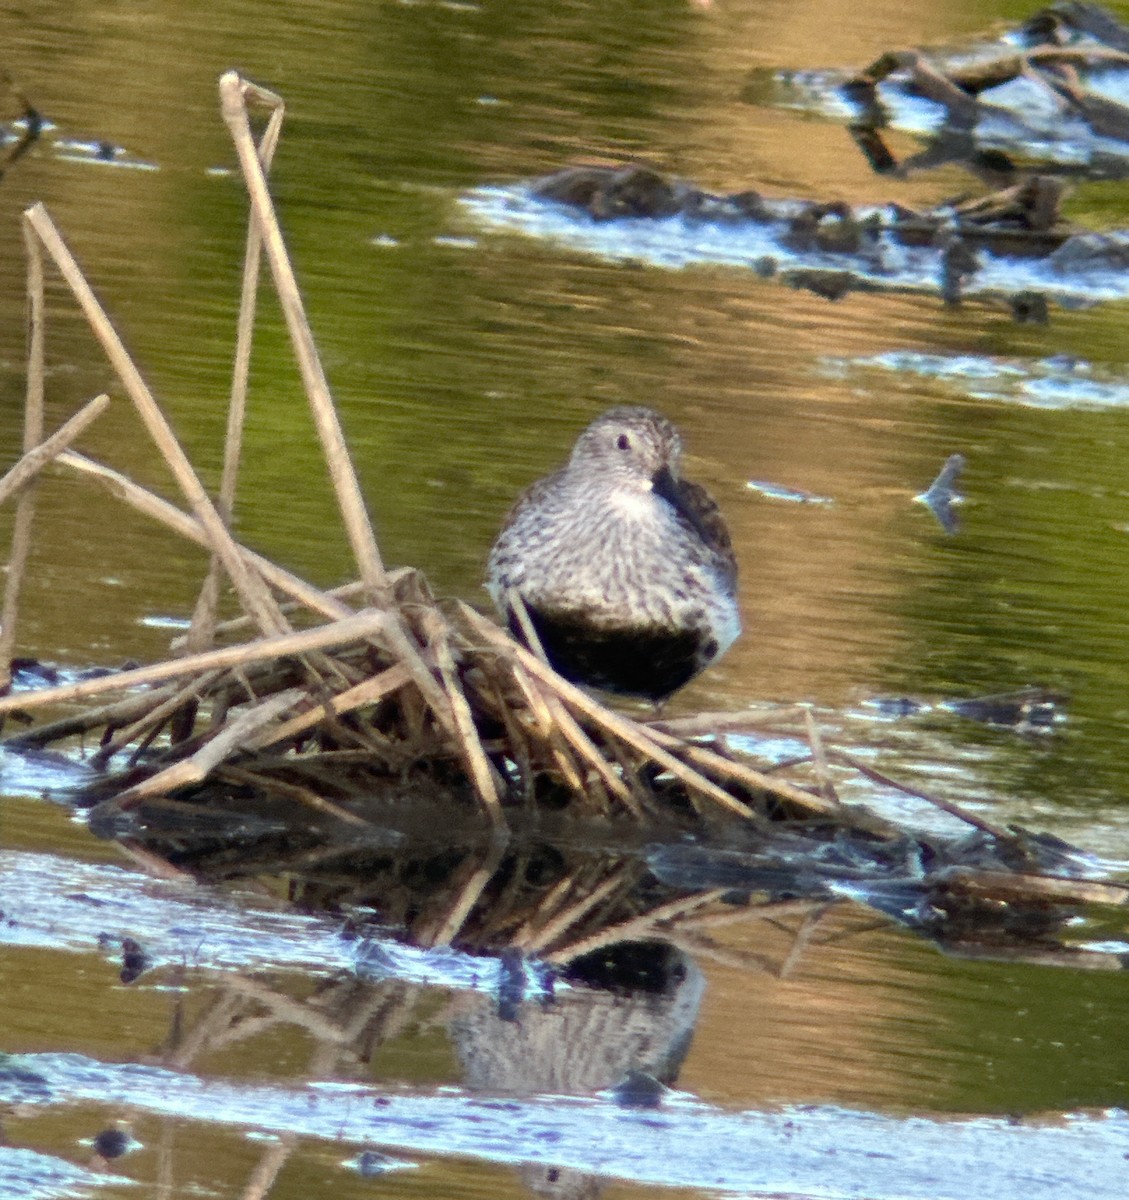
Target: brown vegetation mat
point(343, 706)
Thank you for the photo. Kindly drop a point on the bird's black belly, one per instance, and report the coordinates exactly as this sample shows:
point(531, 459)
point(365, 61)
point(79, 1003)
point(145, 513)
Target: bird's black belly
point(646, 660)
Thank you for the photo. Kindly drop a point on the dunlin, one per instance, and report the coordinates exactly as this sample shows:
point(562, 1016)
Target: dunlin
point(625, 569)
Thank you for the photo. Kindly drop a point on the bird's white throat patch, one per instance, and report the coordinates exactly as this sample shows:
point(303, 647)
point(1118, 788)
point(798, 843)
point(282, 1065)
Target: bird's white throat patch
point(637, 506)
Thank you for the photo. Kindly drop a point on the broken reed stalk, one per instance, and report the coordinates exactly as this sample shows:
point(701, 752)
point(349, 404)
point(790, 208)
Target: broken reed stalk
point(482, 773)
point(33, 435)
point(201, 633)
point(144, 501)
point(154, 718)
point(947, 806)
point(234, 93)
point(350, 629)
point(369, 691)
point(50, 448)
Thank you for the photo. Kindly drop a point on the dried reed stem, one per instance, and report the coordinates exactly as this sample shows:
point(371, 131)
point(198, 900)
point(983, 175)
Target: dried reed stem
point(294, 791)
point(156, 715)
point(482, 774)
point(252, 591)
point(234, 93)
point(201, 634)
point(819, 759)
point(50, 448)
point(33, 435)
point(159, 509)
point(108, 715)
point(748, 776)
point(587, 750)
point(954, 810)
point(345, 591)
point(350, 629)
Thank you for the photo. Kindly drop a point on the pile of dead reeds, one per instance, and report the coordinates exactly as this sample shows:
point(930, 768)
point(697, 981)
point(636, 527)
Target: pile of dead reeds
point(332, 696)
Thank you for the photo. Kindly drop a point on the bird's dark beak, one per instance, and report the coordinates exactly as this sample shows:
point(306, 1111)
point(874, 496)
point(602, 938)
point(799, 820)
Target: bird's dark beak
point(665, 485)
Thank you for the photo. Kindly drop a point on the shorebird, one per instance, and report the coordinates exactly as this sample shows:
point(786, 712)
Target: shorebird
point(626, 570)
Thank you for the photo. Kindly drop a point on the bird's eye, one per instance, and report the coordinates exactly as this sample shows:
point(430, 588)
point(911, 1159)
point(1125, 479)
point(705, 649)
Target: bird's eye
point(623, 442)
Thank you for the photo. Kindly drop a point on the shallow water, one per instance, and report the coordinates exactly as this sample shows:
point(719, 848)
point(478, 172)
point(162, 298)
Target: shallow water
point(464, 357)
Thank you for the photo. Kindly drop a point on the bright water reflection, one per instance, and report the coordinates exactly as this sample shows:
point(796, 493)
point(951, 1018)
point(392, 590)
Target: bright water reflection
point(465, 360)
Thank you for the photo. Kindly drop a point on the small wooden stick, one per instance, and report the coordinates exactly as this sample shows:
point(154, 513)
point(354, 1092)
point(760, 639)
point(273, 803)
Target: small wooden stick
point(234, 92)
point(157, 714)
point(954, 810)
point(50, 448)
point(518, 608)
point(350, 629)
point(237, 624)
point(582, 744)
point(295, 791)
point(740, 772)
point(819, 759)
point(252, 591)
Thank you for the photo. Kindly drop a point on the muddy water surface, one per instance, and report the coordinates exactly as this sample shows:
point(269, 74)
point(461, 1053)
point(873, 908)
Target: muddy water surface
point(464, 357)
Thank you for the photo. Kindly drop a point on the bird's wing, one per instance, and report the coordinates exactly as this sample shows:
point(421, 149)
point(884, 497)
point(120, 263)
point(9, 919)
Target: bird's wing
point(711, 525)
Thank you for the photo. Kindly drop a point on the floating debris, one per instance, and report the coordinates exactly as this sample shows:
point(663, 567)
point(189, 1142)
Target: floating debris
point(941, 497)
point(777, 491)
point(1054, 90)
point(372, 1164)
point(1012, 246)
point(1024, 710)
